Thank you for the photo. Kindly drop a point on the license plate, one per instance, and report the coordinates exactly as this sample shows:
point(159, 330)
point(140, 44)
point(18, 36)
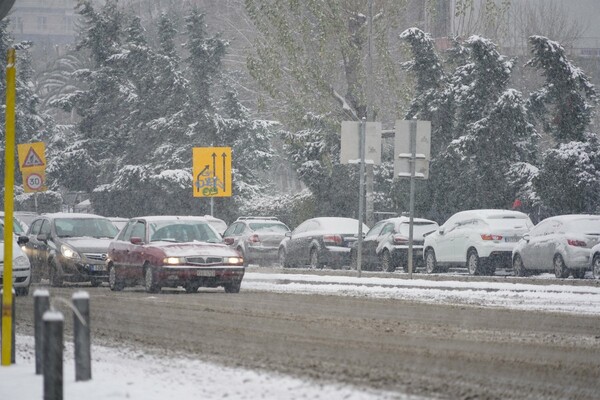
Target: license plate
point(201, 272)
point(512, 239)
point(96, 267)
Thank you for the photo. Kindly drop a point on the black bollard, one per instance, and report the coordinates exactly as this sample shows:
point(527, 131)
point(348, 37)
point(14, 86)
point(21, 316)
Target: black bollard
point(81, 332)
point(13, 324)
point(41, 304)
point(53, 355)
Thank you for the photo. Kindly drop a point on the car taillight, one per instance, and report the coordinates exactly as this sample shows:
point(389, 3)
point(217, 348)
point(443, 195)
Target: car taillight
point(228, 240)
point(254, 238)
point(577, 243)
point(487, 236)
point(398, 239)
point(335, 240)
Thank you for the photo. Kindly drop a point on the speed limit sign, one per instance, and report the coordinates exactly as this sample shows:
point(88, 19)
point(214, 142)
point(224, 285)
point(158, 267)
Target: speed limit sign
point(34, 181)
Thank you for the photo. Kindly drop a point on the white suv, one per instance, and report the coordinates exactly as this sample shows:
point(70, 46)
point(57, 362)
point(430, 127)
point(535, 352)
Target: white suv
point(477, 239)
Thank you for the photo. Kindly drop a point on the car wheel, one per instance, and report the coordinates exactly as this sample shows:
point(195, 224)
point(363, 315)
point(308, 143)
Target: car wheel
point(473, 263)
point(150, 281)
point(191, 287)
point(314, 259)
point(233, 287)
point(113, 282)
point(518, 268)
point(283, 258)
point(56, 278)
point(387, 263)
point(430, 262)
point(596, 266)
point(578, 273)
point(560, 269)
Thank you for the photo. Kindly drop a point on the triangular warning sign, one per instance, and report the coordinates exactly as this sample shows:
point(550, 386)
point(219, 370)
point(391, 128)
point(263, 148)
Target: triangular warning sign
point(32, 160)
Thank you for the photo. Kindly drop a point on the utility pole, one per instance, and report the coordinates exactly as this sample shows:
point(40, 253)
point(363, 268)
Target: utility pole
point(370, 198)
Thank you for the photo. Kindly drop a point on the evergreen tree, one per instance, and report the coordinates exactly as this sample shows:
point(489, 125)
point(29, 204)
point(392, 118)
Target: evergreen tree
point(564, 104)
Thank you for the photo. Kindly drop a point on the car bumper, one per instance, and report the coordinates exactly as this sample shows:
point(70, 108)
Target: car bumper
point(21, 277)
point(335, 256)
point(577, 257)
point(495, 249)
point(262, 253)
point(84, 270)
point(205, 276)
point(401, 252)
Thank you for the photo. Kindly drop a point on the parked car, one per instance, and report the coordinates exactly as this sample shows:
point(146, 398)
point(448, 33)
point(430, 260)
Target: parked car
point(385, 246)
point(172, 251)
point(118, 222)
point(69, 247)
point(320, 241)
point(19, 227)
point(217, 223)
point(595, 257)
point(256, 238)
point(21, 269)
point(563, 243)
point(480, 240)
point(26, 217)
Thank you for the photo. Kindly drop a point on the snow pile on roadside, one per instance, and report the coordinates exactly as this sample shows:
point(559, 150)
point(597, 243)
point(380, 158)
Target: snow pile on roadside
point(130, 374)
point(520, 296)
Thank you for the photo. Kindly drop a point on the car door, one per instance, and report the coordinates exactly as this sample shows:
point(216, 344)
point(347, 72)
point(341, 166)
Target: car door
point(32, 246)
point(385, 236)
point(119, 248)
point(370, 242)
point(461, 239)
point(46, 247)
point(231, 233)
point(444, 246)
point(547, 244)
point(529, 252)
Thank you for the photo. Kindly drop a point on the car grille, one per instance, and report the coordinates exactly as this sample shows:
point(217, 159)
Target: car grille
point(204, 260)
point(95, 256)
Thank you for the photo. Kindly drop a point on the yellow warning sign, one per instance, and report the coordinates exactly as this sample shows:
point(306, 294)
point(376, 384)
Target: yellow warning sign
point(32, 155)
point(211, 167)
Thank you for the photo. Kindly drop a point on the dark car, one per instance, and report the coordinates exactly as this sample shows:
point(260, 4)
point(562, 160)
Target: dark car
point(256, 238)
point(385, 247)
point(172, 251)
point(69, 247)
point(320, 241)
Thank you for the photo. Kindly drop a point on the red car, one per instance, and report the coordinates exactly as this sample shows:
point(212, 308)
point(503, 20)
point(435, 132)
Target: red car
point(172, 251)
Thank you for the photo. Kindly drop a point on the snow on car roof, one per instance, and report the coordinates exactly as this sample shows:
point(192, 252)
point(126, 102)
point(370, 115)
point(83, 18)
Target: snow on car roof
point(73, 215)
point(571, 217)
point(405, 219)
point(493, 213)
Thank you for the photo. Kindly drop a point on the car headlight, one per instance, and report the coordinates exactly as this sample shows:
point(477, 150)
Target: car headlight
point(234, 260)
point(69, 252)
point(21, 262)
point(174, 260)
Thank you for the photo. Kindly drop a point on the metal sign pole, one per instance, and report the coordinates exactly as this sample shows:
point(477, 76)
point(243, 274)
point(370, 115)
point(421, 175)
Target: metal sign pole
point(361, 194)
point(413, 161)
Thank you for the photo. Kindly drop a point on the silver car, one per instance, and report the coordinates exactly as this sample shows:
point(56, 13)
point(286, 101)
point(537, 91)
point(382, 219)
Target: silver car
point(560, 243)
point(595, 257)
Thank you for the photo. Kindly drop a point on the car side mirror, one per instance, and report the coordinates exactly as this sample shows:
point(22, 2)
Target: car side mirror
point(526, 237)
point(136, 240)
point(42, 237)
point(288, 234)
point(229, 240)
point(441, 231)
point(22, 240)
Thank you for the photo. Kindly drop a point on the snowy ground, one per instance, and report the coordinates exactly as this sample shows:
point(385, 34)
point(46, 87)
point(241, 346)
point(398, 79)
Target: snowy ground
point(129, 374)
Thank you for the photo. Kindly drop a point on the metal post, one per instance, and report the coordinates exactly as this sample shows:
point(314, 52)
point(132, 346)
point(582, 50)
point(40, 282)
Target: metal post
point(81, 333)
point(361, 195)
point(53, 355)
point(370, 178)
point(212, 206)
point(13, 326)
point(413, 161)
point(41, 304)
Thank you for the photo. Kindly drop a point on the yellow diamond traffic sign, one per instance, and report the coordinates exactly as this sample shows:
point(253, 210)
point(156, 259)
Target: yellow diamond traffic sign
point(211, 168)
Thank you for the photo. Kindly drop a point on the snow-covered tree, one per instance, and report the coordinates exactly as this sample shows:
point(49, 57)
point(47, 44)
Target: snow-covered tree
point(564, 104)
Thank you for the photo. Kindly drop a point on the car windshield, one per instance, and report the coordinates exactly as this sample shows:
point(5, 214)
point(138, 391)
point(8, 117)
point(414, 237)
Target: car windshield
point(183, 231)
point(509, 222)
point(268, 226)
point(420, 229)
point(17, 227)
point(79, 227)
point(341, 225)
point(584, 225)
